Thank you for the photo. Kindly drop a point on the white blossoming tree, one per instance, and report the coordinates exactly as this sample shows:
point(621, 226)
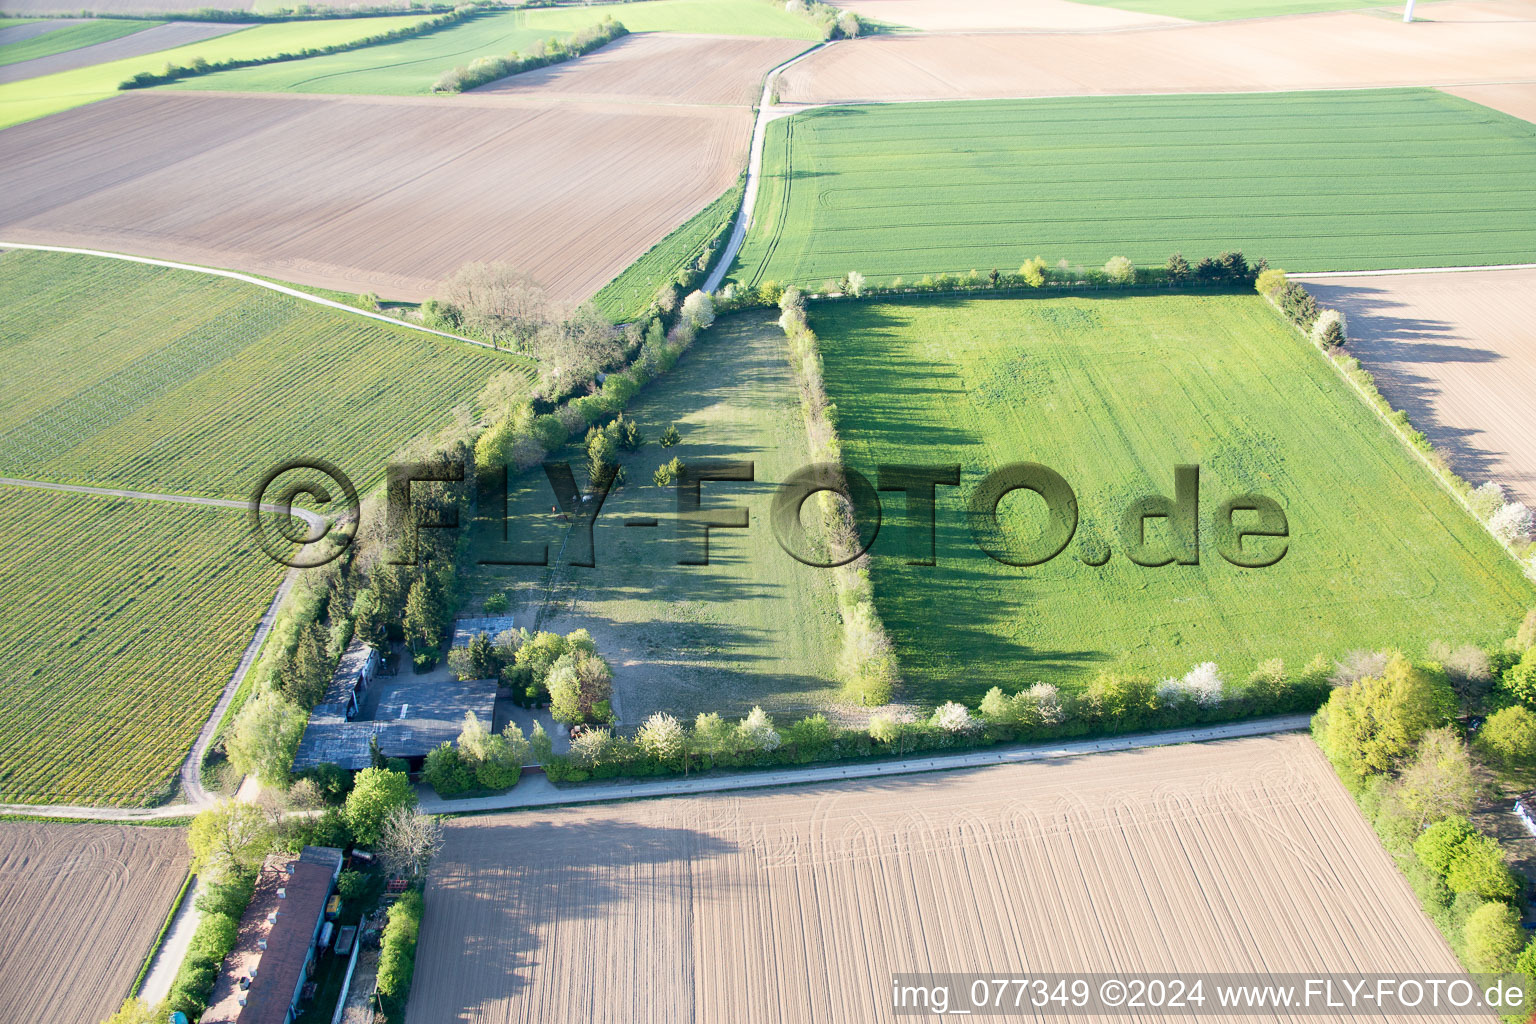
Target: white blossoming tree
point(1486, 499)
point(953, 718)
point(699, 310)
point(661, 736)
point(1046, 700)
point(756, 731)
point(1511, 523)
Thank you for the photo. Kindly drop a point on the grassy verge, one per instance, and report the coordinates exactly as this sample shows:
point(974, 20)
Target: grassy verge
point(154, 949)
point(627, 296)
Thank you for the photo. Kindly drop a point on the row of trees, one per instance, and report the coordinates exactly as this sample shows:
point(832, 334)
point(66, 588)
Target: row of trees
point(833, 22)
point(541, 54)
point(1112, 703)
point(1229, 269)
point(480, 760)
point(867, 663)
point(519, 436)
point(1388, 729)
point(200, 66)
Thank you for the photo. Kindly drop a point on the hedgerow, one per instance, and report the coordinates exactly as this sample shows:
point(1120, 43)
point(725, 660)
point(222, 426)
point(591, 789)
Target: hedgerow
point(174, 72)
point(488, 69)
point(1112, 704)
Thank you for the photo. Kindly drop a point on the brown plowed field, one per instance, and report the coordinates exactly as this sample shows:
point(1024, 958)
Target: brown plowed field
point(981, 15)
point(799, 905)
point(382, 194)
point(79, 907)
point(658, 67)
point(1516, 100)
point(1348, 50)
point(151, 40)
point(1457, 352)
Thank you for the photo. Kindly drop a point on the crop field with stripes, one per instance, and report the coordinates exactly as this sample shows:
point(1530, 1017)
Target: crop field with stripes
point(124, 620)
point(1112, 394)
point(124, 375)
point(1311, 181)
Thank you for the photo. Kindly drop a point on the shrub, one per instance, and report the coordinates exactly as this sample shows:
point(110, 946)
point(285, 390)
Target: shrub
point(670, 437)
point(1178, 268)
point(1492, 937)
point(376, 793)
point(541, 54)
point(699, 310)
point(953, 718)
point(1486, 499)
point(1270, 281)
point(496, 604)
point(1328, 329)
point(756, 731)
point(1119, 270)
point(1201, 686)
point(446, 772)
point(1508, 740)
point(1033, 272)
point(1511, 523)
point(397, 952)
point(1477, 868)
point(1373, 725)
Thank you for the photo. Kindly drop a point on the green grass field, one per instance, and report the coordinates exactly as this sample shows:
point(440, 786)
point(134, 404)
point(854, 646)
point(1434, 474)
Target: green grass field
point(403, 68)
point(125, 375)
point(1229, 10)
point(71, 37)
point(1113, 393)
point(1311, 181)
point(753, 626)
point(124, 620)
point(49, 94)
point(627, 296)
point(706, 17)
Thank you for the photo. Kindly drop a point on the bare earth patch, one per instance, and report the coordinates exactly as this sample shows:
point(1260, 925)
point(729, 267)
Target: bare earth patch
point(658, 67)
point(151, 40)
point(570, 172)
point(800, 904)
point(1457, 352)
point(79, 907)
point(981, 15)
point(1517, 100)
point(382, 194)
point(1326, 51)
